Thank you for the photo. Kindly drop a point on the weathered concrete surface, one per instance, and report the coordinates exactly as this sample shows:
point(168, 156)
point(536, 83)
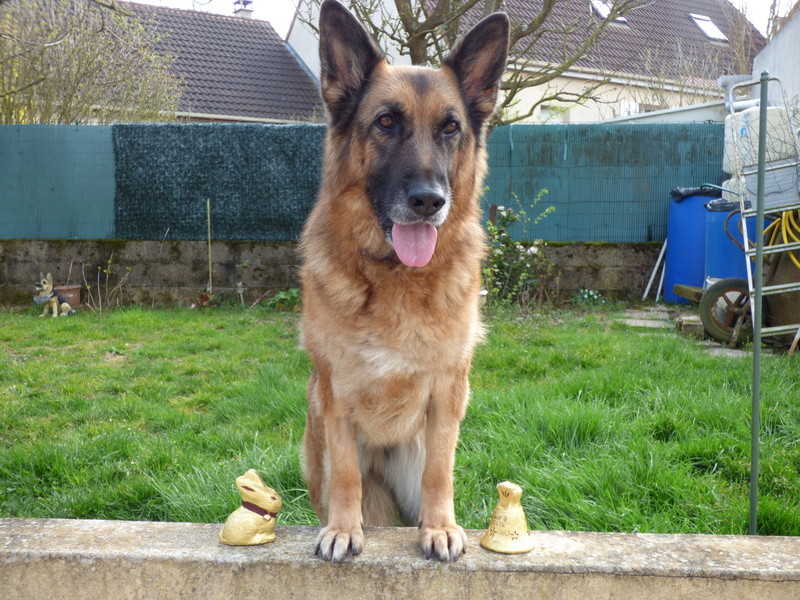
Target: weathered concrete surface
point(655, 317)
point(690, 325)
point(133, 560)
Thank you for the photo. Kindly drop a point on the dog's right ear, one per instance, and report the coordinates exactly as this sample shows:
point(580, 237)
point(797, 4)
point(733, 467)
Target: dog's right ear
point(49, 278)
point(347, 56)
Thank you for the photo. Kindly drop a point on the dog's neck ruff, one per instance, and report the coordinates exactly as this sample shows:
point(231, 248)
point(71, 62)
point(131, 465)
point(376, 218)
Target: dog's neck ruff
point(258, 510)
point(390, 258)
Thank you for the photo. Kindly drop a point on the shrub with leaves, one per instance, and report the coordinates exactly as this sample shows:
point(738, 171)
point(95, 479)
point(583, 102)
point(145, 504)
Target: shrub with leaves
point(287, 300)
point(514, 271)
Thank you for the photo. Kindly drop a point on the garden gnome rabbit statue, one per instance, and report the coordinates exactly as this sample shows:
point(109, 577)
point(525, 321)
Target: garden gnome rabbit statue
point(508, 529)
point(254, 521)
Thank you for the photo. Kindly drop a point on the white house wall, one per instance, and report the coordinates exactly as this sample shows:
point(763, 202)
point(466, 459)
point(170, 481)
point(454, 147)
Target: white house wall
point(781, 57)
point(616, 99)
point(306, 44)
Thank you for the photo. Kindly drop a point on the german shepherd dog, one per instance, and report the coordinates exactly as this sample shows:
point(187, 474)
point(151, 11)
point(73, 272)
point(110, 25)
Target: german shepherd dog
point(391, 277)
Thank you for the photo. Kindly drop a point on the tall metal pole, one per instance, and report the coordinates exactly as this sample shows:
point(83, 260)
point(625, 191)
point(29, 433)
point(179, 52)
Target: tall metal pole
point(755, 424)
point(209, 288)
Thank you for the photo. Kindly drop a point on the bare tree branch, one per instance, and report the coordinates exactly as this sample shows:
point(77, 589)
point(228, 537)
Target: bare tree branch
point(552, 43)
point(91, 61)
point(22, 89)
point(426, 30)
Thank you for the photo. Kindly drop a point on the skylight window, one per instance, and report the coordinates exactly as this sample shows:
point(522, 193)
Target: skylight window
point(603, 8)
point(707, 26)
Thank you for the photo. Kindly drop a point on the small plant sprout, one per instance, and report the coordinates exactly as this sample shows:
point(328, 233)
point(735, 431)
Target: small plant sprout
point(588, 298)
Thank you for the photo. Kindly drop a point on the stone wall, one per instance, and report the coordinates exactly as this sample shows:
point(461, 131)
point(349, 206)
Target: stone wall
point(615, 270)
point(156, 272)
point(171, 271)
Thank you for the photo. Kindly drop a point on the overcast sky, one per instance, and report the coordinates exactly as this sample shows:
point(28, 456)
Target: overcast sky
point(279, 12)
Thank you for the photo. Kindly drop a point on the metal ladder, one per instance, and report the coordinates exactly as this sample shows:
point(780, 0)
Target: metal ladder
point(777, 191)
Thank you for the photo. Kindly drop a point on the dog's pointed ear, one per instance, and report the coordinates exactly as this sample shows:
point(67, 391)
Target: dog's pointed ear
point(49, 278)
point(41, 276)
point(347, 56)
point(479, 62)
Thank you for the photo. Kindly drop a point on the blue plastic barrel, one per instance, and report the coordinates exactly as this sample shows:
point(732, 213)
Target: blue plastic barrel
point(723, 258)
point(685, 256)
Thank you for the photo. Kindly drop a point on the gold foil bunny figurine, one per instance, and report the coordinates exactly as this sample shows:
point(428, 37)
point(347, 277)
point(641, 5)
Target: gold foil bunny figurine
point(508, 529)
point(254, 521)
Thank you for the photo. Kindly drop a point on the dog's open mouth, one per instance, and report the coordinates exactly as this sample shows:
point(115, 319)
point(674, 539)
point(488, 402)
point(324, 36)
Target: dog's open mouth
point(414, 244)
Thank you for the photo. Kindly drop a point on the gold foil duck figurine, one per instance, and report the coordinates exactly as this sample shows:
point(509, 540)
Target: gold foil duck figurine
point(254, 521)
point(508, 530)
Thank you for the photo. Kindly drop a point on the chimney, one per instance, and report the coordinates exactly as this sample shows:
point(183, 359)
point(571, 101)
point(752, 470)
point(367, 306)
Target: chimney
point(241, 9)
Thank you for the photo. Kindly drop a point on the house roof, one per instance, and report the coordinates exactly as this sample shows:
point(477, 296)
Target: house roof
point(232, 67)
point(660, 39)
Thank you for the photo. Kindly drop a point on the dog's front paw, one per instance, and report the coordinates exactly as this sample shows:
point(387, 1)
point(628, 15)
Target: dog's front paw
point(443, 543)
point(337, 545)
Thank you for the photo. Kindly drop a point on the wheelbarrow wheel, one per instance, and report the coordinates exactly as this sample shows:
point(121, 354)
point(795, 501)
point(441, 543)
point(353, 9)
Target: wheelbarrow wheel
point(723, 305)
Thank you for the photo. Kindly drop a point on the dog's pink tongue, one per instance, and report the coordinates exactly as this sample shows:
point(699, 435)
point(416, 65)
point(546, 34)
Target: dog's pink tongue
point(414, 244)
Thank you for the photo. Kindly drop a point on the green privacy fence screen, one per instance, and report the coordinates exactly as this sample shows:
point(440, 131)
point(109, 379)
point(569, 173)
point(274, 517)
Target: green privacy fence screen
point(261, 179)
point(56, 181)
point(608, 182)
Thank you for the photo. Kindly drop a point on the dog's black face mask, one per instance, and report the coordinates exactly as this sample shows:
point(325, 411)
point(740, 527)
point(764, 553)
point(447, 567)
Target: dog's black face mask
point(409, 183)
point(412, 121)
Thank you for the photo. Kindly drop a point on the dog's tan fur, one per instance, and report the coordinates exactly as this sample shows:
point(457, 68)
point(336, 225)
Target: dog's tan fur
point(391, 345)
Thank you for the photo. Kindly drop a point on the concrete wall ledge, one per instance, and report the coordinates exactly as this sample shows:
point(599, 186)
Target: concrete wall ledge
point(119, 560)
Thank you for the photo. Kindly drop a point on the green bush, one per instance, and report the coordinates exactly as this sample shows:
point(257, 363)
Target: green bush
point(288, 300)
point(515, 272)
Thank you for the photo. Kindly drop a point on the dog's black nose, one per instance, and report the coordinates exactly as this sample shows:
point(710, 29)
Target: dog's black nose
point(425, 200)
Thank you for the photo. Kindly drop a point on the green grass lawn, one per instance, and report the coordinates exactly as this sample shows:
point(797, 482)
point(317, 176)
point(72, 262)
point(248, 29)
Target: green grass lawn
point(144, 414)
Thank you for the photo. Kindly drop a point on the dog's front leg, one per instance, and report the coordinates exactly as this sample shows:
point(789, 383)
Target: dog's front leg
point(343, 535)
point(440, 537)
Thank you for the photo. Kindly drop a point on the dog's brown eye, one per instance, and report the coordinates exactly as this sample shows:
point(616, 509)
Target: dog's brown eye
point(451, 127)
point(386, 121)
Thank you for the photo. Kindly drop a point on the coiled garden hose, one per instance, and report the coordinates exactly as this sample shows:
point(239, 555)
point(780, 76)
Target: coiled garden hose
point(784, 229)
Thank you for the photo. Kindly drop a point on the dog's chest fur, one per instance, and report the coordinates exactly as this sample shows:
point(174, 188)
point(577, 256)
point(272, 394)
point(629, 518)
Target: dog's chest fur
point(388, 335)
